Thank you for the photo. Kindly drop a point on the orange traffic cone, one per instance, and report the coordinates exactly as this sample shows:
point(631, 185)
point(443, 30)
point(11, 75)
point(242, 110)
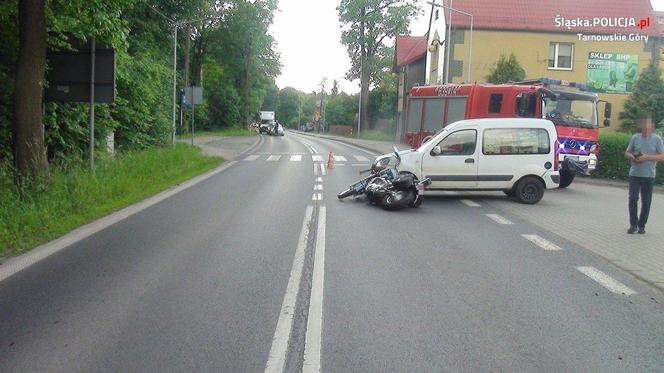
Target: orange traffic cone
point(330, 161)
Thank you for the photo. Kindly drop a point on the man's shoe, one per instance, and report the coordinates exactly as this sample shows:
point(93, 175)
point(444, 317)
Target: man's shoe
point(631, 230)
point(642, 230)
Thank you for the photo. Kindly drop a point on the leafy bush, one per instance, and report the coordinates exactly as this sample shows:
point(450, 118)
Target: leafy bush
point(611, 161)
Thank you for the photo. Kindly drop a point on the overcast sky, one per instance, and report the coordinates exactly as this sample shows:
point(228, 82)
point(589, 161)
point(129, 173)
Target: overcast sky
point(309, 40)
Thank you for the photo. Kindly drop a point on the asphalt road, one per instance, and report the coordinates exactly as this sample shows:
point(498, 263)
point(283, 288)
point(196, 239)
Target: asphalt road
point(228, 275)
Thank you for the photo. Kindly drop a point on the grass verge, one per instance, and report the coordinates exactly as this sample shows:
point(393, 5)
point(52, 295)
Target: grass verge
point(74, 196)
point(376, 135)
point(226, 132)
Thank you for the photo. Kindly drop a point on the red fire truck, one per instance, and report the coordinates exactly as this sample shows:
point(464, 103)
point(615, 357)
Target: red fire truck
point(568, 105)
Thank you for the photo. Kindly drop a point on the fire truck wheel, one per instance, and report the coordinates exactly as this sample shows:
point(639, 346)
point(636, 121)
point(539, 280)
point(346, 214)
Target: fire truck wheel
point(529, 190)
point(566, 179)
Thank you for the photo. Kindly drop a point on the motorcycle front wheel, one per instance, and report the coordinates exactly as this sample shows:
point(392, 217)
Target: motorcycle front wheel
point(346, 193)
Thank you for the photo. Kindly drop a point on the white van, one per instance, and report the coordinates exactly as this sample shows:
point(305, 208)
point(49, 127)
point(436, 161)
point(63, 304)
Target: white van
point(514, 155)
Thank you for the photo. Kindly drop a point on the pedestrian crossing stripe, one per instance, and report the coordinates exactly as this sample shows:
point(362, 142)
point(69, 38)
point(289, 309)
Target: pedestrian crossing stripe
point(274, 158)
point(317, 158)
point(295, 158)
point(361, 158)
point(252, 157)
point(339, 158)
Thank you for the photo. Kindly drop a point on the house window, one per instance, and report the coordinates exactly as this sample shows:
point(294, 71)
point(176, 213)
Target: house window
point(561, 56)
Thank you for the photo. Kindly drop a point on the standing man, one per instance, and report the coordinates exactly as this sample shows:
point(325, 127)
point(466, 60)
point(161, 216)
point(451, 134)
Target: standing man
point(645, 149)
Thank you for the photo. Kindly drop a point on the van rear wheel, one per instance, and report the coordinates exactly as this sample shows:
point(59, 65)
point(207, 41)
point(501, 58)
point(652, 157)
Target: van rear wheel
point(509, 192)
point(529, 190)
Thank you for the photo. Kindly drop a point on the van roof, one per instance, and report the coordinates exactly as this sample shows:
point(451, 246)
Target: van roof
point(504, 123)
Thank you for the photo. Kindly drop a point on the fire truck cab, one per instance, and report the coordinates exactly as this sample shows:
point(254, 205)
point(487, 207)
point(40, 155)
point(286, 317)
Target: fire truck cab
point(572, 110)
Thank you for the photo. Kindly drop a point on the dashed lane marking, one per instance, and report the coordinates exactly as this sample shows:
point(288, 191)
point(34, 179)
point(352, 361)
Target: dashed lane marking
point(319, 179)
point(541, 242)
point(296, 158)
point(317, 158)
point(470, 203)
point(606, 281)
point(322, 169)
point(318, 187)
point(499, 219)
point(317, 197)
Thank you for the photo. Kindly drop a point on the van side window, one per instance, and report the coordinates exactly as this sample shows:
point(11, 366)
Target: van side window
point(459, 143)
point(495, 102)
point(505, 141)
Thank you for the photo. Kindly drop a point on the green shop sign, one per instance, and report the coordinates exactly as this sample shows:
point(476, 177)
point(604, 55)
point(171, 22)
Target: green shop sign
point(612, 72)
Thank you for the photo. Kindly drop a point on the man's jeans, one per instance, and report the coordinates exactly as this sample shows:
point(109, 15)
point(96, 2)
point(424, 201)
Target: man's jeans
point(644, 186)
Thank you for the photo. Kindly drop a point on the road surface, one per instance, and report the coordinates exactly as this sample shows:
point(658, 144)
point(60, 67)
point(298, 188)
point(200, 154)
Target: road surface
point(260, 268)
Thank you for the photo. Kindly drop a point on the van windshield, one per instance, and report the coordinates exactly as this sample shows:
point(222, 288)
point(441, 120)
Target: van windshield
point(571, 112)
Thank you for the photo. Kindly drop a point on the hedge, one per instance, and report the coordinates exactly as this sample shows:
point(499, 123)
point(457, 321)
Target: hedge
point(611, 160)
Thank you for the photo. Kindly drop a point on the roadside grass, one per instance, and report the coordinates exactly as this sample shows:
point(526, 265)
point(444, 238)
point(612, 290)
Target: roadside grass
point(72, 196)
point(225, 132)
point(376, 135)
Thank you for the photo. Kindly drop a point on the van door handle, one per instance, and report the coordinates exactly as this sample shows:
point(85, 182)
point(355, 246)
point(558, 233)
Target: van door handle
point(470, 160)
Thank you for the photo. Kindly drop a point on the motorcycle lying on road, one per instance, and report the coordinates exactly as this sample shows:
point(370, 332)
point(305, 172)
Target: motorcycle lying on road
point(388, 187)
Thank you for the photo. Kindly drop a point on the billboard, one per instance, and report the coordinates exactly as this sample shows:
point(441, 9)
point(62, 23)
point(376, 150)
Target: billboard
point(612, 72)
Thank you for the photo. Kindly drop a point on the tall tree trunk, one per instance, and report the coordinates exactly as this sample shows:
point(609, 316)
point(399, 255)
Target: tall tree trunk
point(28, 129)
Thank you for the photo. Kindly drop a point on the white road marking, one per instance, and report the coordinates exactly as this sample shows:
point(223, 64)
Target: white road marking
point(313, 338)
point(318, 187)
point(319, 179)
point(310, 148)
point(541, 242)
point(322, 169)
point(606, 281)
point(317, 197)
point(295, 158)
point(360, 165)
point(361, 158)
point(252, 157)
point(277, 357)
point(315, 169)
point(21, 262)
point(470, 203)
point(274, 158)
point(317, 158)
point(449, 192)
point(498, 219)
point(340, 158)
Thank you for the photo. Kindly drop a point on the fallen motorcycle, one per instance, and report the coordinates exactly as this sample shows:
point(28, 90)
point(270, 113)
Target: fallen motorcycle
point(388, 187)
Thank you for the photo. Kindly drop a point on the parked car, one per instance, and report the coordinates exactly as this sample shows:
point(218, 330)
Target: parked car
point(514, 155)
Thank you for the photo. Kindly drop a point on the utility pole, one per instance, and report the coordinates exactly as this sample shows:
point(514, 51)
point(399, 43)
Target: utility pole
point(175, 62)
point(359, 106)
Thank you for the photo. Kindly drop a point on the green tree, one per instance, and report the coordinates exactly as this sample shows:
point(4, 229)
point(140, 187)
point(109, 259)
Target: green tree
point(289, 109)
point(365, 25)
point(341, 109)
point(506, 69)
point(647, 98)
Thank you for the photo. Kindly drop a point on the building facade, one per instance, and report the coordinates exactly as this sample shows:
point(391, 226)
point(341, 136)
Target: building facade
point(603, 43)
